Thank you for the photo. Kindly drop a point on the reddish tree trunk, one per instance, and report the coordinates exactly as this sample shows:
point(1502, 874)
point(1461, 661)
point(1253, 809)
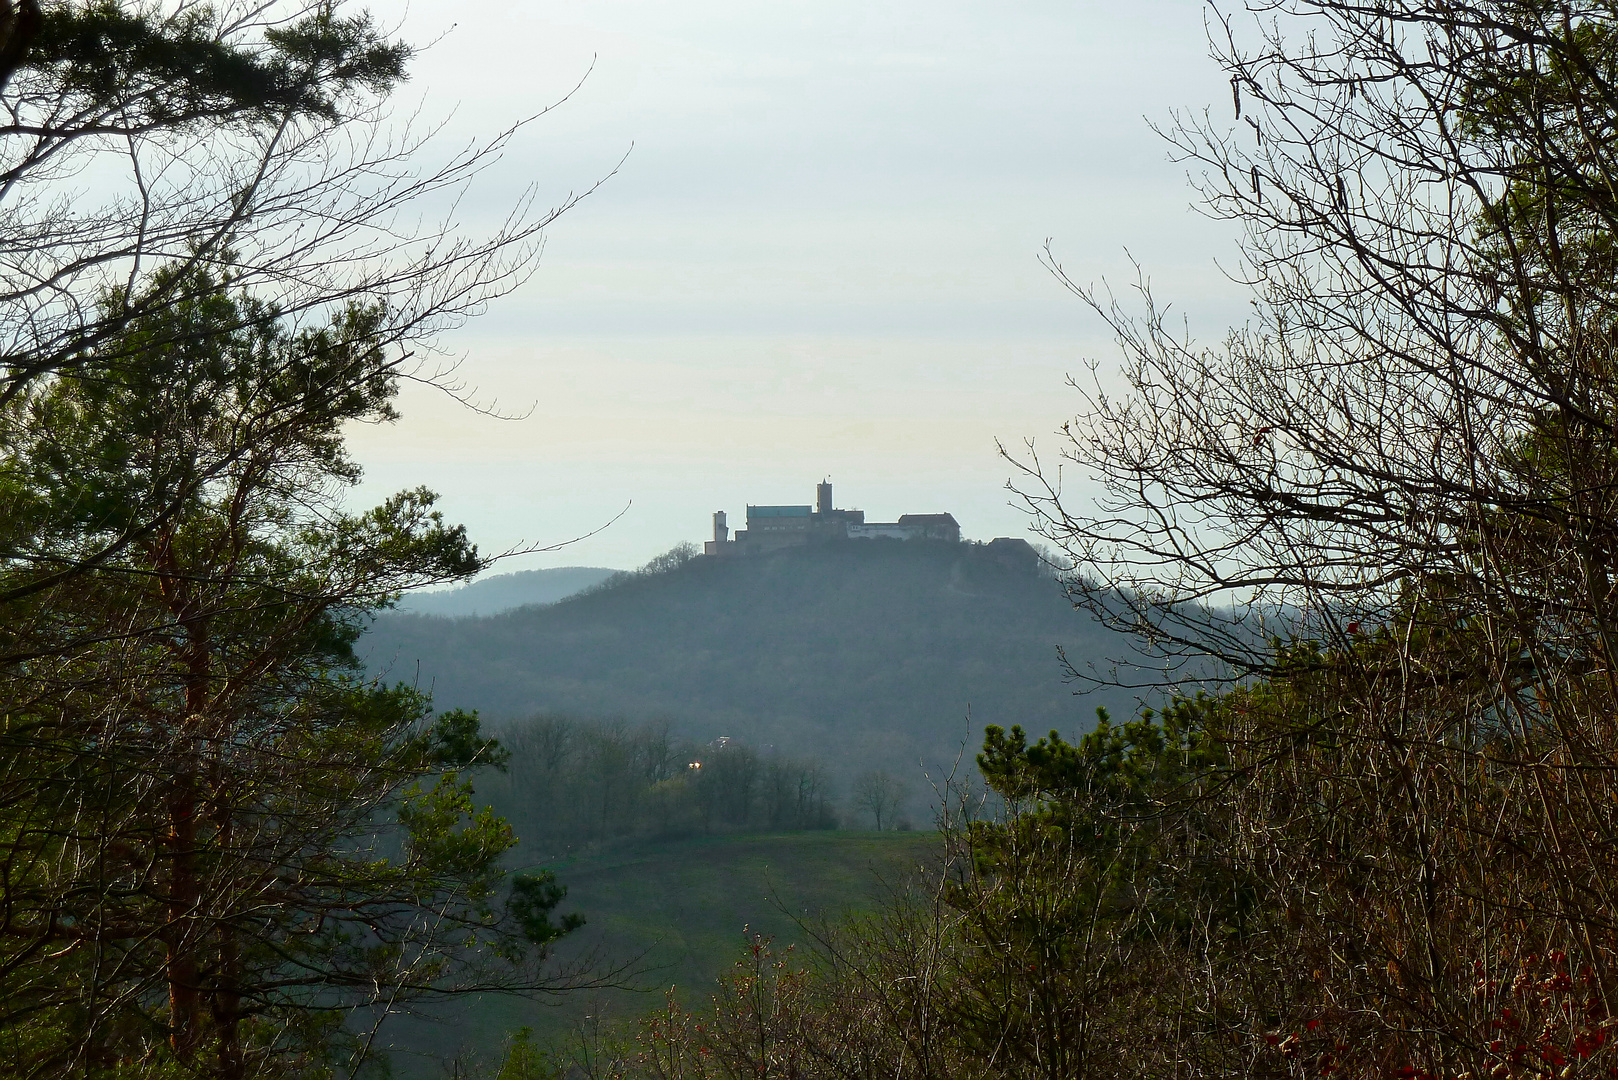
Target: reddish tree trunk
point(182, 970)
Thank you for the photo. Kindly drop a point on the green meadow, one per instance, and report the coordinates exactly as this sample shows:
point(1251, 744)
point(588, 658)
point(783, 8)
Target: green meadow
point(678, 914)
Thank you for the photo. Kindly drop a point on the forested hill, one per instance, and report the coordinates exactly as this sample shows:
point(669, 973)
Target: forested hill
point(867, 655)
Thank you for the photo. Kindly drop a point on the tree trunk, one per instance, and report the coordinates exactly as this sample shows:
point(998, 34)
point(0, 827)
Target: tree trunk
point(182, 970)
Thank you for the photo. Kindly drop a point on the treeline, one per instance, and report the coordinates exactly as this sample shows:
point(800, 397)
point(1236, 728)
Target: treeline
point(573, 784)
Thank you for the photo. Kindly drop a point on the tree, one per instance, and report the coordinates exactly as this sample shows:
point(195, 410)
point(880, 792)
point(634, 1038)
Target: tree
point(221, 847)
point(795, 795)
point(19, 26)
point(1051, 940)
point(879, 794)
point(219, 841)
point(1382, 513)
point(1424, 231)
point(244, 141)
point(1083, 901)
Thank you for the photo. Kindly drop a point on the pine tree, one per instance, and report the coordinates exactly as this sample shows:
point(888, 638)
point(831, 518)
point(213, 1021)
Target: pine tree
point(219, 841)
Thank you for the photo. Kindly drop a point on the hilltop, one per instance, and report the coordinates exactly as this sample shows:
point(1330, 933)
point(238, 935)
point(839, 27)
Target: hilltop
point(864, 654)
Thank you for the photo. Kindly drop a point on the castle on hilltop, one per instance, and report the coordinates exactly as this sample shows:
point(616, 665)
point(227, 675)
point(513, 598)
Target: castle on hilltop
point(770, 528)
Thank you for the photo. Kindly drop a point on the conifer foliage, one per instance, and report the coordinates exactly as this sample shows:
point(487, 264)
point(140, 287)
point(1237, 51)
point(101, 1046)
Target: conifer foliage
point(219, 840)
point(222, 851)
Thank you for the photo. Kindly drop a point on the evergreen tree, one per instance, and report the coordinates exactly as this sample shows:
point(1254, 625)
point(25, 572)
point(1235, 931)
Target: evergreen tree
point(217, 842)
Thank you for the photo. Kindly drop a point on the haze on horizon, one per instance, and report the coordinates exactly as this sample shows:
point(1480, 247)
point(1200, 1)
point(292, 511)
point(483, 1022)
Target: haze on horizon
point(819, 259)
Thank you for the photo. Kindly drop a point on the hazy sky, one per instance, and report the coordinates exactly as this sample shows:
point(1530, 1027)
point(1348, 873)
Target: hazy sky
point(819, 259)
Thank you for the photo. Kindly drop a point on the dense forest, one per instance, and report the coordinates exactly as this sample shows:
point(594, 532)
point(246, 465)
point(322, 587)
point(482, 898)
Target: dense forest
point(884, 654)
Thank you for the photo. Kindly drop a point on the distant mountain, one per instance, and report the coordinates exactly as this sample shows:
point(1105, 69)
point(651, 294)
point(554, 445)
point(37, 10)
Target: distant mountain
point(503, 592)
point(864, 655)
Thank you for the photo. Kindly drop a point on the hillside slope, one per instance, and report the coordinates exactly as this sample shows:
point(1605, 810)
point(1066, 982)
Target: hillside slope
point(863, 655)
point(503, 592)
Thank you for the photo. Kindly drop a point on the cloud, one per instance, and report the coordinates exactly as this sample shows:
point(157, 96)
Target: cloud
point(821, 195)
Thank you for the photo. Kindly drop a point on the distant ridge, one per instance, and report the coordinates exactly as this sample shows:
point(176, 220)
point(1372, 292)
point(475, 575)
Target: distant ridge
point(862, 655)
point(503, 592)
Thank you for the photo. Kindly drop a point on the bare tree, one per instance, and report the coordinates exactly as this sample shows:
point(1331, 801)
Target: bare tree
point(1390, 497)
point(1424, 212)
point(244, 141)
point(879, 794)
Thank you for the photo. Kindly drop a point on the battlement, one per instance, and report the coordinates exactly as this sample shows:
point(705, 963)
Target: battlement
point(770, 528)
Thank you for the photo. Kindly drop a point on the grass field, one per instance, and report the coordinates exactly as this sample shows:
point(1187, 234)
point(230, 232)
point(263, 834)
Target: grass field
point(682, 912)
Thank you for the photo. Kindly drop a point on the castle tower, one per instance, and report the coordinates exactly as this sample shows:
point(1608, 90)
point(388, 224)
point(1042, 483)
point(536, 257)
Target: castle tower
point(721, 531)
point(823, 497)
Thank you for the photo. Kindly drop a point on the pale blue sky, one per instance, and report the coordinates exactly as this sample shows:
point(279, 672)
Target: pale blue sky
point(819, 259)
